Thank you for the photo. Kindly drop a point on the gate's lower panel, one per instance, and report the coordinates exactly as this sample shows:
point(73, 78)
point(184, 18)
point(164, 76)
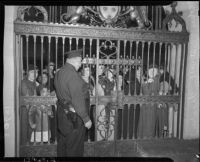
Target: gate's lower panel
point(46, 150)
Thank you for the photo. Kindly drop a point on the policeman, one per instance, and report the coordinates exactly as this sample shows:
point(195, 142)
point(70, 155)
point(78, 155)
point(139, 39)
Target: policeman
point(72, 110)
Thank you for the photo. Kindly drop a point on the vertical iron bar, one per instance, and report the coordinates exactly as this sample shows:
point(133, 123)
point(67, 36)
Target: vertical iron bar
point(70, 43)
point(124, 58)
point(56, 20)
point(165, 65)
point(174, 90)
point(116, 110)
point(27, 54)
point(60, 13)
point(53, 15)
point(53, 18)
point(154, 47)
point(180, 92)
point(134, 68)
point(152, 17)
point(90, 40)
point(83, 47)
point(130, 68)
point(180, 135)
point(97, 80)
point(128, 106)
point(50, 13)
point(125, 45)
point(181, 67)
point(77, 43)
point(41, 125)
point(21, 54)
point(49, 131)
point(18, 77)
point(135, 86)
point(160, 16)
point(56, 137)
point(34, 50)
point(42, 46)
point(34, 135)
point(27, 121)
point(170, 57)
point(49, 47)
point(173, 122)
point(160, 46)
point(124, 67)
point(63, 52)
point(123, 70)
point(181, 105)
point(134, 110)
point(56, 52)
point(89, 83)
point(123, 74)
point(156, 19)
point(149, 43)
point(18, 51)
point(141, 72)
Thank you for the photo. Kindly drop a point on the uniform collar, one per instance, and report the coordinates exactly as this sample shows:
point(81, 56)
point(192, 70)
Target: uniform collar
point(68, 65)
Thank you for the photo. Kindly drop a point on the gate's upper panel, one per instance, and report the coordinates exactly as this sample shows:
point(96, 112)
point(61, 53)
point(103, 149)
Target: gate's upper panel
point(140, 23)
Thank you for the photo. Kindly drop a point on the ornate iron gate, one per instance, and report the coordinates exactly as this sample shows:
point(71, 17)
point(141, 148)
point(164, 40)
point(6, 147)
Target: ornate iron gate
point(116, 61)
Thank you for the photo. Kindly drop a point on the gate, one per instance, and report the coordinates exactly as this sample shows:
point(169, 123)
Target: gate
point(117, 58)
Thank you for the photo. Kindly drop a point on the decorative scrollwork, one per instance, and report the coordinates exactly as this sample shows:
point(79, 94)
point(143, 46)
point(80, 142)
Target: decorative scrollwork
point(108, 50)
point(137, 99)
point(132, 62)
point(42, 108)
point(38, 100)
point(106, 123)
point(107, 16)
point(26, 9)
point(176, 17)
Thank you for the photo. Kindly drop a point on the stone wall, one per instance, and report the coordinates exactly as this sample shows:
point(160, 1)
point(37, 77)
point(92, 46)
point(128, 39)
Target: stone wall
point(8, 82)
point(191, 113)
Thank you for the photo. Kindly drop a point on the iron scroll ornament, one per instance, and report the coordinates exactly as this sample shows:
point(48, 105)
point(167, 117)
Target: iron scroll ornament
point(174, 15)
point(21, 11)
point(106, 119)
point(107, 16)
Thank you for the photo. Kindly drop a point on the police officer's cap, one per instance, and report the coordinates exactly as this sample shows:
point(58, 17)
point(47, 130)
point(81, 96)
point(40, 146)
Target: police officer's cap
point(74, 53)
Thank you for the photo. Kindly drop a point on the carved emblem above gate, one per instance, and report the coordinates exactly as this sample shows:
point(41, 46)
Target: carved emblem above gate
point(109, 13)
point(107, 16)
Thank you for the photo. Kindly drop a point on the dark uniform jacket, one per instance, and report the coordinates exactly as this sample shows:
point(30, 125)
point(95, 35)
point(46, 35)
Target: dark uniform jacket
point(71, 87)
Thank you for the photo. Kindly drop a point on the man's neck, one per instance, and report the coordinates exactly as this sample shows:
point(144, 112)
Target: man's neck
point(71, 63)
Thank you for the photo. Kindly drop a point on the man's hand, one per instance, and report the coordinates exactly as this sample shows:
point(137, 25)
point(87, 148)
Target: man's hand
point(53, 93)
point(33, 126)
point(88, 124)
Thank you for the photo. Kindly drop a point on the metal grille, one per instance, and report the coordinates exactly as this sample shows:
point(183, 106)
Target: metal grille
point(117, 62)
